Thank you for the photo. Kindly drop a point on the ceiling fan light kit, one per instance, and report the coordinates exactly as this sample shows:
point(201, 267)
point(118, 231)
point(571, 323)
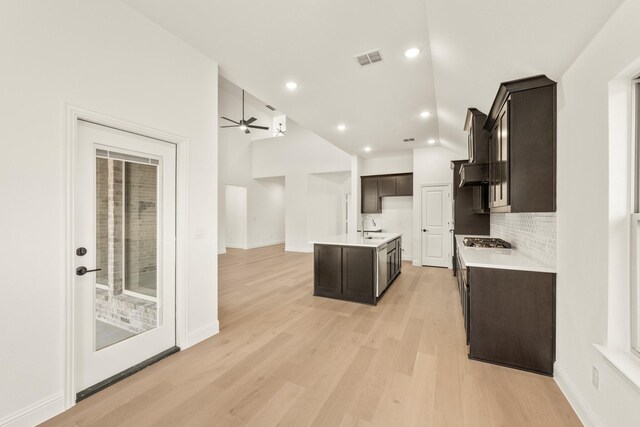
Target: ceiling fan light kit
point(243, 124)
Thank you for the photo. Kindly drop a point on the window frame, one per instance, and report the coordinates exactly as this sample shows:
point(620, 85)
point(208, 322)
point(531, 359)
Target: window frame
point(634, 294)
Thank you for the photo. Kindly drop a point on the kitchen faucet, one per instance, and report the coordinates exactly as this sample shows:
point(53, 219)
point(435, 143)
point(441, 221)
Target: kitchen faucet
point(363, 220)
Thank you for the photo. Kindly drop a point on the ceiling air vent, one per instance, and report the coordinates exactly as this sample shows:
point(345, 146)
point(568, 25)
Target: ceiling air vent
point(270, 107)
point(409, 140)
point(369, 57)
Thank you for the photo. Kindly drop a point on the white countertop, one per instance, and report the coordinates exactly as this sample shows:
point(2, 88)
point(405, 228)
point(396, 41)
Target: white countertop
point(506, 259)
point(378, 240)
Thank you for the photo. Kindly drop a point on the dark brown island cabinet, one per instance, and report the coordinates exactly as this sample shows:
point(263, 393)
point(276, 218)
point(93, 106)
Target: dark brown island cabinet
point(355, 273)
point(522, 146)
point(509, 316)
point(375, 187)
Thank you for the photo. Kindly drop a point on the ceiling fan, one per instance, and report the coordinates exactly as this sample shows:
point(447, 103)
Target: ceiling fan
point(244, 124)
point(280, 131)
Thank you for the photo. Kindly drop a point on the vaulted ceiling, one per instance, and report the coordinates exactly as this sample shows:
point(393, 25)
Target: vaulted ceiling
point(467, 48)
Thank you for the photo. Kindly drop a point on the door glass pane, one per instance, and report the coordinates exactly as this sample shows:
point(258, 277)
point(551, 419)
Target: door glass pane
point(126, 209)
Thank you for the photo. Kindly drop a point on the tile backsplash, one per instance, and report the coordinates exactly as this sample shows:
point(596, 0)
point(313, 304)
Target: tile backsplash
point(533, 234)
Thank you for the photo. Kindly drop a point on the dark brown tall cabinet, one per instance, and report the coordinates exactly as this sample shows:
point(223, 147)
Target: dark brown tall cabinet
point(522, 146)
point(465, 221)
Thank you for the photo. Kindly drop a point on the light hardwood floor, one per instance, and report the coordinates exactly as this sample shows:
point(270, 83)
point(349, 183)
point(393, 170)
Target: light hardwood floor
point(284, 357)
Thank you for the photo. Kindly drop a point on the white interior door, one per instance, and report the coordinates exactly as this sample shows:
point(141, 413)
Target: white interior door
point(435, 226)
point(124, 199)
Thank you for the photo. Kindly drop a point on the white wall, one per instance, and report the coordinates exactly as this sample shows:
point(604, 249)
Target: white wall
point(592, 217)
point(266, 212)
point(265, 197)
point(395, 163)
point(235, 213)
point(104, 57)
point(326, 204)
point(303, 158)
point(431, 165)
point(300, 151)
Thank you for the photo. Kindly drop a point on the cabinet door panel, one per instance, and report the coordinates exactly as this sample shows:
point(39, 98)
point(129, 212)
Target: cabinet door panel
point(387, 186)
point(503, 198)
point(404, 185)
point(327, 270)
point(494, 161)
point(471, 147)
point(512, 318)
point(358, 273)
point(370, 198)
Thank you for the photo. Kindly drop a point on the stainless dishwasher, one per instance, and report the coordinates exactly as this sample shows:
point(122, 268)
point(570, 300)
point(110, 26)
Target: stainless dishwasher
point(381, 281)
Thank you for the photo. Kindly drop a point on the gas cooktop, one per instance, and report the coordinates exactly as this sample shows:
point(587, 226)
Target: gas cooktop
point(486, 242)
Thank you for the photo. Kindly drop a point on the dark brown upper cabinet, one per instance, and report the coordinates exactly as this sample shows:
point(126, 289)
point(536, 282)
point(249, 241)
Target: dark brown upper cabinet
point(522, 146)
point(404, 185)
point(373, 188)
point(478, 136)
point(371, 202)
point(386, 186)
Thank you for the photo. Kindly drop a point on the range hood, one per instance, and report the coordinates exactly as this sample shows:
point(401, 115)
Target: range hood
point(474, 174)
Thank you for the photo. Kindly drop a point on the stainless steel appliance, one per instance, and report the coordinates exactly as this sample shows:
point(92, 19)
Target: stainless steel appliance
point(382, 282)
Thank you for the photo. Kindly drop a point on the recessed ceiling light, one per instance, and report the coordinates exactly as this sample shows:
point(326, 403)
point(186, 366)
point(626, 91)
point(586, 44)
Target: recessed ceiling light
point(341, 127)
point(411, 52)
point(367, 149)
point(425, 114)
point(291, 85)
point(431, 141)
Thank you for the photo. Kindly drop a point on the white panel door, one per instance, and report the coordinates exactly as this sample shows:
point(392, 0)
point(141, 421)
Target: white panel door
point(124, 233)
point(435, 226)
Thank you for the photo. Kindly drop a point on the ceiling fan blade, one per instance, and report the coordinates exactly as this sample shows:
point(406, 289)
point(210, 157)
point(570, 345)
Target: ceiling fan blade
point(230, 126)
point(251, 120)
point(247, 130)
point(258, 127)
point(232, 121)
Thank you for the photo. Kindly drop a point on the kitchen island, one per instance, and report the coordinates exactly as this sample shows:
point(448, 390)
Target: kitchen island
point(355, 268)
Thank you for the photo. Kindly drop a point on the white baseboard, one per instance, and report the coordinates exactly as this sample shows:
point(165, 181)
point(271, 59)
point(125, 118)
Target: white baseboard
point(575, 399)
point(416, 263)
point(36, 413)
point(262, 245)
point(296, 249)
point(202, 333)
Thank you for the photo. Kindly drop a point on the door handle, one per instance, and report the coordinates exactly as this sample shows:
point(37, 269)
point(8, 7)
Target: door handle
point(424, 230)
point(81, 271)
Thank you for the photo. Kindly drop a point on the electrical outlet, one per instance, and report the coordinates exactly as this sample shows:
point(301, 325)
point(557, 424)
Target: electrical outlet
point(595, 378)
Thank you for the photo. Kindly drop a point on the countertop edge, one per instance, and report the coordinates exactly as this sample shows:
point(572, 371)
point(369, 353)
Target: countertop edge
point(374, 244)
point(534, 266)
